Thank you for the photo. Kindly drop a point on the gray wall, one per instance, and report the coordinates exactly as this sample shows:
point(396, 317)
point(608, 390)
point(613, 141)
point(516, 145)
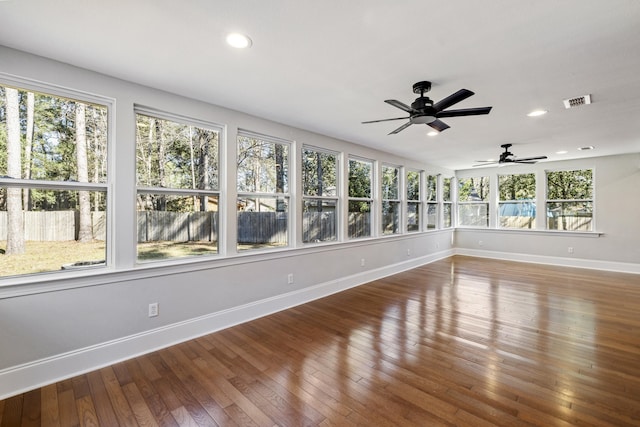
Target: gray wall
point(50, 317)
point(616, 207)
point(53, 316)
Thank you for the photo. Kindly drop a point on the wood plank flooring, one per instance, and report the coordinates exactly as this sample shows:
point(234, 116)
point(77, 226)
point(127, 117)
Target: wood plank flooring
point(462, 341)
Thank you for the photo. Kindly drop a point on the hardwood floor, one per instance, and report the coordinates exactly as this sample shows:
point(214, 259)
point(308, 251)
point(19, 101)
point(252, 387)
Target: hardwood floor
point(462, 341)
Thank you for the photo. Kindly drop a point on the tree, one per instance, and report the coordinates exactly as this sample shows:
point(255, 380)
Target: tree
point(28, 147)
point(15, 219)
point(517, 186)
point(473, 189)
point(85, 233)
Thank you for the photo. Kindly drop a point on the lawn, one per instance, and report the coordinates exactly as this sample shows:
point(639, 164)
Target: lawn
point(51, 256)
point(48, 256)
point(41, 257)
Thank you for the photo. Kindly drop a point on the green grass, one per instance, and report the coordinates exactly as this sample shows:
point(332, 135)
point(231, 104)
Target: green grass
point(42, 257)
point(163, 250)
point(48, 256)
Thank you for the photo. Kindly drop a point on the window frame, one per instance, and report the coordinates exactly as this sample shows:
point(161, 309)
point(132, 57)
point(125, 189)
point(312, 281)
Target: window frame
point(485, 201)
point(183, 192)
point(371, 200)
point(336, 198)
point(418, 202)
point(592, 200)
point(447, 202)
point(433, 200)
point(287, 195)
point(28, 85)
point(533, 201)
point(397, 202)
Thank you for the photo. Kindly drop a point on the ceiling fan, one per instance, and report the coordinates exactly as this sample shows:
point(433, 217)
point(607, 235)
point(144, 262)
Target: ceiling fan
point(508, 157)
point(424, 111)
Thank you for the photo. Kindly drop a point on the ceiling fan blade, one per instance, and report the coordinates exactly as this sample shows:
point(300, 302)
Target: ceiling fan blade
point(400, 105)
point(526, 159)
point(485, 164)
point(464, 112)
point(454, 98)
point(403, 127)
point(438, 125)
point(528, 162)
point(384, 120)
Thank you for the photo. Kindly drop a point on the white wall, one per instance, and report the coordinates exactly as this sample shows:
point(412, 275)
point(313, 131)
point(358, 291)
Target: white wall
point(54, 326)
point(617, 217)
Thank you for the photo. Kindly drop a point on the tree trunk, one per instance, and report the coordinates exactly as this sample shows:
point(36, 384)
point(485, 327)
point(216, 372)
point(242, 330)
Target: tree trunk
point(85, 233)
point(279, 169)
point(320, 178)
point(193, 168)
point(203, 145)
point(161, 201)
point(26, 195)
point(15, 219)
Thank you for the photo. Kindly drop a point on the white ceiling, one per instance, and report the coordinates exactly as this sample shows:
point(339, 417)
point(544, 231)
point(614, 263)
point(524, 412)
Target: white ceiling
point(328, 65)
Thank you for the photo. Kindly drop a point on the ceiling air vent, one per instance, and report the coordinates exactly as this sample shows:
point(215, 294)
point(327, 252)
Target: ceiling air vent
point(576, 102)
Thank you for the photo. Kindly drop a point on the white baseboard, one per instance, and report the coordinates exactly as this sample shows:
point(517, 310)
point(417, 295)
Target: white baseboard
point(28, 376)
point(622, 267)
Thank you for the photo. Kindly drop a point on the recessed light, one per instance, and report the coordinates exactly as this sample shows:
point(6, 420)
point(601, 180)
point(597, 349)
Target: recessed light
point(536, 113)
point(562, 152)
point(239, 41)
point(433, 133)
point(588, 147)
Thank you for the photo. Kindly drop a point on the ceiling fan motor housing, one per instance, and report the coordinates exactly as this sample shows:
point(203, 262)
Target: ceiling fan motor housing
point(425, 112)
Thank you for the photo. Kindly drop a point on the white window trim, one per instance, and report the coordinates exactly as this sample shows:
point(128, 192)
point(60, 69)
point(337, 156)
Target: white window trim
point(217, 192)
point(420, 202)
point(337, 198)
point(289, 195)
point(491, 219)
point(32, 85)
point(373, 210)
point(498, 201)
point(592, 200)
point(398, 200)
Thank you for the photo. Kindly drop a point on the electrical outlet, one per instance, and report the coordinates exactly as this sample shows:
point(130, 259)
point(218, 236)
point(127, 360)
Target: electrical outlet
point(480, 243)
point(362, 262)
point(437, 245)
point(570, 249)
point(290, 279)
point(408, 252)
point(154, 309)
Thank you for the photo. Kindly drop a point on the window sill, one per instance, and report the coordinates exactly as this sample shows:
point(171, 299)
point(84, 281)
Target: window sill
point(528, 231)
point(17, 286)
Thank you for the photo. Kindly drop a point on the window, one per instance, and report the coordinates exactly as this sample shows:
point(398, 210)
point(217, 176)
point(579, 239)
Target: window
point(473, 201)
point(320, 195)
point(177, 186)
point(360, 198)
point(517, 205)
point(413, 200)
point(432, 202)
point(570, 200)
point(263, 192)
point(53, 181)
point(390, 200)
point(447, 209)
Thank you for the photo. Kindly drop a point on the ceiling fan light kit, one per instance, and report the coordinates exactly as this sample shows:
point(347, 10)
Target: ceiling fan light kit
point(424, 111)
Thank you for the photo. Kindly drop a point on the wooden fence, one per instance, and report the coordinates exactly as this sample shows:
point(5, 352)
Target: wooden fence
point(262, 227)
point(319, 226)
point(177, 226)
point(55, 225)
